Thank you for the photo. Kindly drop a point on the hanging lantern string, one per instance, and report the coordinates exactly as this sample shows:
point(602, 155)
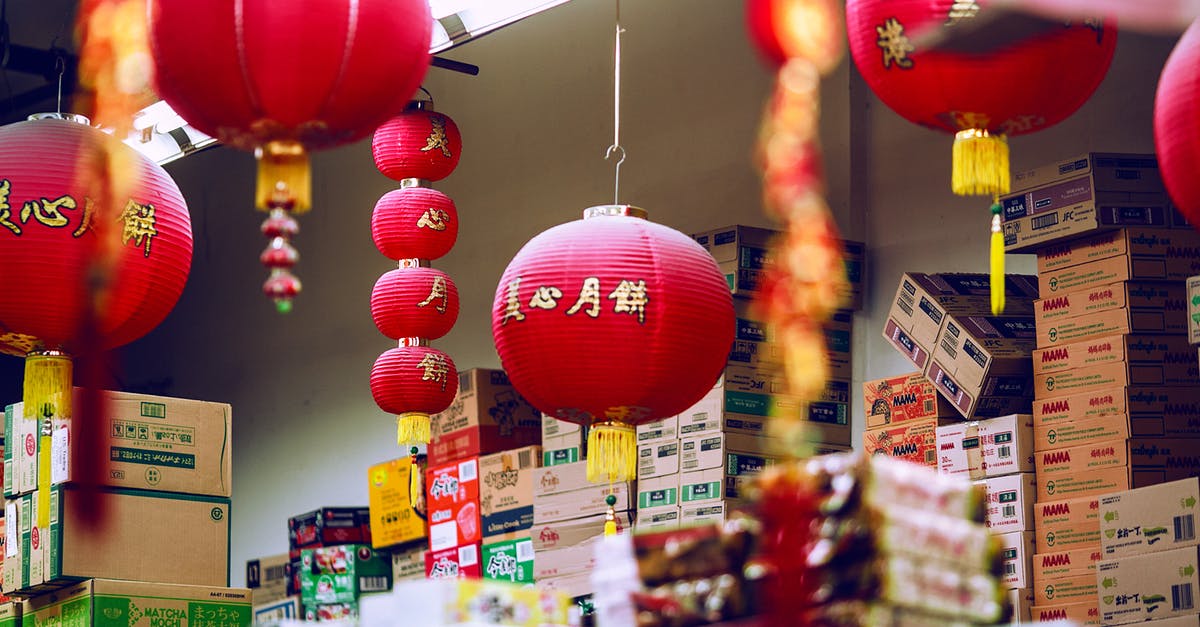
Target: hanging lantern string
point(616, 145)
point(61, 67)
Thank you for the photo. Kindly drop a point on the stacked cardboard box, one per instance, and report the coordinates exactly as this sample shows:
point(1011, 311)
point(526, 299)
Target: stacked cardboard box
point(397, 518)
point(562, 442)
point(1150, 568)
point(903, 414)
point(333, 579)
point(998, 454)
point(569, 515)
point(488, 416)
point(166, 495)
point(133, 603)
point(328, 531)
point(942, 323)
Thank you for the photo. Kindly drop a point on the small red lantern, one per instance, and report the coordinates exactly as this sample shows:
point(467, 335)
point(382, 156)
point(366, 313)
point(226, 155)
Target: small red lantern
point(284, 78)
point(417, 379)
point(612, 321)
point(400, 210)
point(414, 302)
point(1177, 125)
point(780, 30)
point(417, 144)
point(980, 98)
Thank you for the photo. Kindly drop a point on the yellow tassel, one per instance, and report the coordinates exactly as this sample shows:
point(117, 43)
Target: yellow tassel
point(997, 263)
point(612, 453)
point(610, 527)
point(416, 483)
point(412, 428)
point(283, 172)
point(47, 395)
point(980, 164)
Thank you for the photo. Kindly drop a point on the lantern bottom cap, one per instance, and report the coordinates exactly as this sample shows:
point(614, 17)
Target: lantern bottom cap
point(412, 428)
point(612, 453)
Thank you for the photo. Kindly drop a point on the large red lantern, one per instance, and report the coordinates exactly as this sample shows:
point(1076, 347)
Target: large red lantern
point(612, 321)
point(1177, 124)
point(284, 78)
point(981, 98)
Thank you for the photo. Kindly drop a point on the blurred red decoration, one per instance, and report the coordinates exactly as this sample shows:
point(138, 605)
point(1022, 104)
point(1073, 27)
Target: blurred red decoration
point(612, 321)
point(431, 212)
point(782, 29)
point(1177, 125)
point(51, 229)
point(418, 144)
point(414, 302)
point(285, 78)
point(414, 379)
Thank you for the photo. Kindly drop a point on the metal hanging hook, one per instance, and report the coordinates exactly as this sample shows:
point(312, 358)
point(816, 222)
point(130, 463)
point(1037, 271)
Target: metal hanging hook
point(60, 66)
point(616, 145)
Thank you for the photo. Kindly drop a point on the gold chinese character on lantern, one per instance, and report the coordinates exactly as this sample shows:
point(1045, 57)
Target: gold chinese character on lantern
point(139, 225)
point(512, 303)
point(435, 367)
point(631, 299)
point(437, 292)
point(894, 44)
point(433, 219)
point(589, 295)
point(545, 297)
point(437, 137)
point(6, 210)
point(47, 212)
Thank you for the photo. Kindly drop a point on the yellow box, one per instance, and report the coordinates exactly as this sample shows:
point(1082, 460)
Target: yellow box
point(393, 518)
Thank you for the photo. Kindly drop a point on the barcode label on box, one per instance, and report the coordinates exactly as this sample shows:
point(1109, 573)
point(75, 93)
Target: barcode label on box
point(1004, 452)
point(525, 550)
point(1009, 511)
point(930, 457)
point(525, 459)
point(468, 556)
point(466, 471)
point(949, 347)
point(906, 303)
point(1046, 221)
point(373, 584)
point(1185, 528)
point(929, 405)
point(1010, 569)
point(1181, 597)
point(465, 382)
point(11, 530)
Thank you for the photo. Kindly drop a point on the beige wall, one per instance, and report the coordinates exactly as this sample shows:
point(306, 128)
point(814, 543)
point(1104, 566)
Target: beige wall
point(535, 125)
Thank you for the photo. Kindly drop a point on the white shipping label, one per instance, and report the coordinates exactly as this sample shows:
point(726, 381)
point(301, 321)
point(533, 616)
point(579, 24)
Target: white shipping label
point(60, 464)
point(443, 536)
point(12, 529)
point(468, 556)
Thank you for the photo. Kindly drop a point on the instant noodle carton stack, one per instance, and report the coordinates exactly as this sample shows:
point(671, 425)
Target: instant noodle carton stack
point(322, 544)
point(1117, 390)
point(997, 454)
point(903, 413)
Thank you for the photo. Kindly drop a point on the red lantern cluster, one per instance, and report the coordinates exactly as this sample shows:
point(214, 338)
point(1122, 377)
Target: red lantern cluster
point(612, 321)
point(284, 78)
point(52, 228)
point(415, 303)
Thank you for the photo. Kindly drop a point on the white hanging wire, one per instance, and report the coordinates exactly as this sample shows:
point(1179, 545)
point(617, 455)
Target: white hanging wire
point(616, 147)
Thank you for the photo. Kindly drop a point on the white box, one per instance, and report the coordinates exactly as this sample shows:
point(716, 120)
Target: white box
point(1010, 502)
point(701, 486)
point(1005, 446)
point(554, 428)
point(657, 519)
point(656, 459)
point(658, 492)
point(1021, 600)
point(952, 457)
point(1017, 552)
point(708, 451)
point(663, 429)
point(704, 513)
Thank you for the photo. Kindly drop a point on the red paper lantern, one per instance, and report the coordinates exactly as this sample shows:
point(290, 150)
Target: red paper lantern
point(50, 231)
point(414, 302)
point(417, 144)
point(414, 379)
point(284, 78)
point(612, 321)
point(1177, 124)
point(414, 223)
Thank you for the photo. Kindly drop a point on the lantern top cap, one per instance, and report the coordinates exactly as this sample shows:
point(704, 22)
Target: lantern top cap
point(422, 104)
point(70, 117)
point(411, 182)
point(615, 210)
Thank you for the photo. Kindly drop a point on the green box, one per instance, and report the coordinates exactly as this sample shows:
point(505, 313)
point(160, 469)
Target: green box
point(113, 603)
point(511, 560)
point(340, 574)
point(10, 615)
point(8, 451)
point(330, 612)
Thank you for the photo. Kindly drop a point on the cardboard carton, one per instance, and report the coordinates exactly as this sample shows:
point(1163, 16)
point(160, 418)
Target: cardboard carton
point(574, 585)
point(506, 490)
point(1069, 563)
point(839, 332)
point(287, 608)
point(658, 492)
point(1161, 460)
point(452, 499)
point(559, 456)
point(1129, 402)
point(138, 604)
point(1082, 614)
point(1149, 519)
point(1183, 620)
point(454, 563)
point(566, 560)
point(972, 349)
point(923, 301)
point(701, 486)
point(898, 399)
point(394, 520)
point(656, 459)
point(340, 574)
point(575, 531)
point(554, 428)
point(704, 416)
point(1138, 242)
point(740, 470)
point(825, 437)
point(658, 430)
point(854, 254)
point(1016, 551)
point(1118, 309)
point(329, 526)
point(706, 513)
point(511, 561)
point(590, 501)
point(1067, 524)
point(1085, 483)
point(408, 562)
point(329, 612)
point(487, 416)
point(1155, 585)
point(658, 518)
point(952, 456)
point(1118, 172)
point(1010, 502)
point(1021, 600)
point(912, 440)
point(267, 577)
point(1193, 310)
point(1171, 352)
point(1080, 589)
point(1002, 445)
point(742, 253)
point(1113, 270)
point(13, 557)
point(709, 451)
point(1061, 464)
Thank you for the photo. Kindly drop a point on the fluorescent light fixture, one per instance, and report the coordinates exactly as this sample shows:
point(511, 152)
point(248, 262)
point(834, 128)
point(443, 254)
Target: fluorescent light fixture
point(163, 136)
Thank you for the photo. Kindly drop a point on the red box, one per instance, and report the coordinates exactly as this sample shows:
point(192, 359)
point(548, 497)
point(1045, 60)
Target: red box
point(906, 397)
point(452, 498)
point(460, 562)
